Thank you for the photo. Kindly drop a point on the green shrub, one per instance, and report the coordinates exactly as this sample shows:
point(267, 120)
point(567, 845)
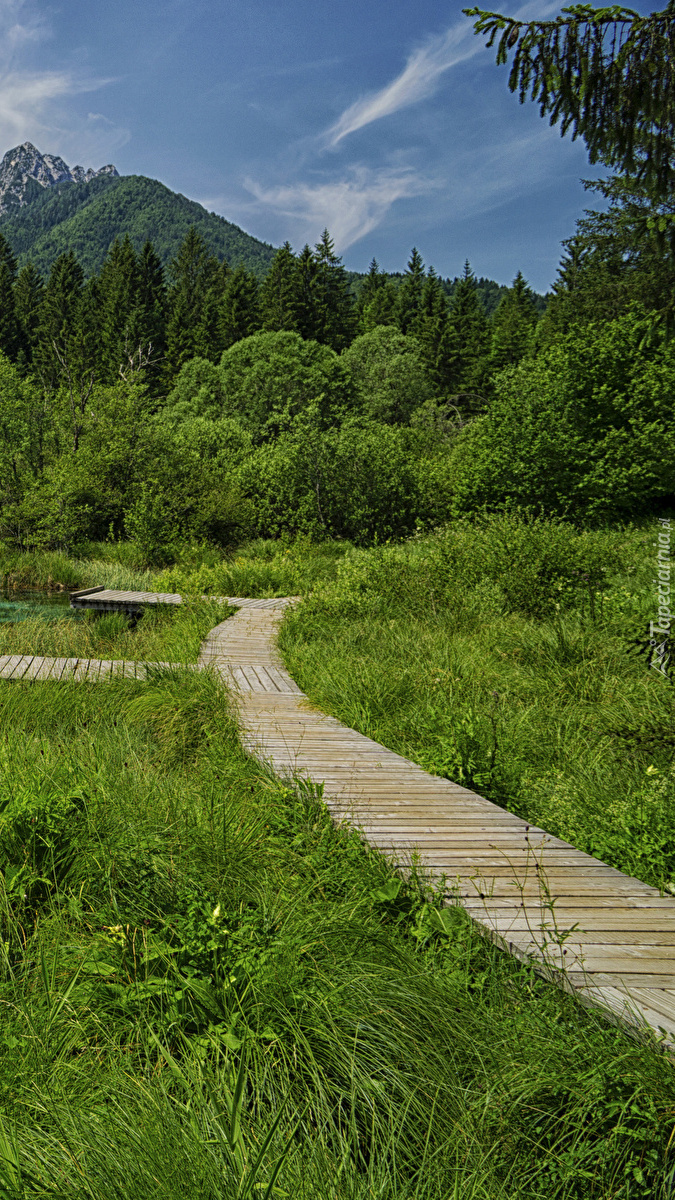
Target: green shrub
point(389, 374)
point(586, 429)
point(356, 481)
point(271, 378)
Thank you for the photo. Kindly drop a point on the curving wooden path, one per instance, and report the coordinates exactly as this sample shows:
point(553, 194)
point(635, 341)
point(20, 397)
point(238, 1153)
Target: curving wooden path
point(608, 938)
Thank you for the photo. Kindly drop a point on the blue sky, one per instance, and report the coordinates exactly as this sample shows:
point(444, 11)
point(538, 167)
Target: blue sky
point(385, 120)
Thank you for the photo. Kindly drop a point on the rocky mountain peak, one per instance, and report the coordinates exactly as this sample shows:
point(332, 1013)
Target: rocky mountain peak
point(24, 171)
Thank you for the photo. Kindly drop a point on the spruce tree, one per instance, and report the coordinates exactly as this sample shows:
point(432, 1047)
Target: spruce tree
point(605, 74)
point(278, 293)
point(211, 328)
point(431, 327)
point(373, 282)
point(513, 325)
point(10, 334)
point(118, 298)
point(334, 301)
point(409, 296)
point(239, 308)
point(191, 325)
point(148, 321)
point(468, 337)
point(60, 314)
point(28, 296)
point(381, 309)
point(309, 311)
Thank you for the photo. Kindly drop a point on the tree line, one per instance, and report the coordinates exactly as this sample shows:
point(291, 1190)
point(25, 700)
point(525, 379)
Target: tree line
point(135, 315)
point(198, 404)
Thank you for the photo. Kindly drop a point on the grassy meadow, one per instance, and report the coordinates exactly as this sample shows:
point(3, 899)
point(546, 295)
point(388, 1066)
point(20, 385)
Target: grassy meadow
point(510, 655)
point(208, 990)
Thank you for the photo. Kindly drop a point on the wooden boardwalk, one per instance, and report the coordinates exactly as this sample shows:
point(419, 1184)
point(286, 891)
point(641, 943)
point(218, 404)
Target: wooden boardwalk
point(608, 938)
point(102, 599)
point(105, 600)
point(89, 670)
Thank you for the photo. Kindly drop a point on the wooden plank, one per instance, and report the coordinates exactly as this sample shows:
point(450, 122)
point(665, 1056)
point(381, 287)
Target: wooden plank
point(10, 664)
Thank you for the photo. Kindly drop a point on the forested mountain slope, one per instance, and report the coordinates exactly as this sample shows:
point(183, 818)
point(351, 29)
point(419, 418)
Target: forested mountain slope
point(87, 217)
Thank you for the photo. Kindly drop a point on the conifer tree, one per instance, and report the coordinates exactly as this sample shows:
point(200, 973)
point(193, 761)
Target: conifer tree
point(309, 312)
point(239, 309)
point(211, 329)
point(118, 299)
point(278, 293)
point(148, 322)
point(513, 325)
point(60, 315)
point(468, 337)
point(409, 296)
point(10, 336)
point(381, 309)
point(336, 323)
point(431, 327)
point(606, 74)
point(28, 295)
point(192, 319)
point(373, 282)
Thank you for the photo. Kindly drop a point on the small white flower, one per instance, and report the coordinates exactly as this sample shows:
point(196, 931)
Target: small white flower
point(216, 912)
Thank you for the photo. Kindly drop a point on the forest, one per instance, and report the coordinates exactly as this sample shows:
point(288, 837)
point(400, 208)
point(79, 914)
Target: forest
point(198, 404)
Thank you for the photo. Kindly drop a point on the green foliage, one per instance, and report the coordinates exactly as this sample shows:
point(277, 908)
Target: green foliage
point(390, 377)
point(533, 566)
point(606, 74)
point(586, 428)
point(271, 378)
point(468, 340)
point(260, 568)
point(616, 259)
point(513, 325)
point(355, 481)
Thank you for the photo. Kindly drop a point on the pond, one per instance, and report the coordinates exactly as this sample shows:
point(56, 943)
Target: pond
point(49, 606)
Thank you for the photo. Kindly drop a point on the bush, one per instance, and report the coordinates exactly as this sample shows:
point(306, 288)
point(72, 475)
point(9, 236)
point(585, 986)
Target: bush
point(513, 562)
point(271, 378)
point(586, 429)
point(389, 374)
point(353, 482)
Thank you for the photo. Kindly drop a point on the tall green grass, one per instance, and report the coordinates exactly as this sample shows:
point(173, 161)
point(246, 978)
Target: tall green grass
point(262, 568)
point(209, 990)
point(167, 633)
point(501, 654)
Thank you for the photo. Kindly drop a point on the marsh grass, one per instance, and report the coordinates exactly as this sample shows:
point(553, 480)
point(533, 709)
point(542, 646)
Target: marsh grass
point(504, 661)
point(165, 633)
point(209, 990)
point(261, 568)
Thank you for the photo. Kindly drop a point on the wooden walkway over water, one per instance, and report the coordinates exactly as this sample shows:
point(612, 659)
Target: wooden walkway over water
point(606, 937)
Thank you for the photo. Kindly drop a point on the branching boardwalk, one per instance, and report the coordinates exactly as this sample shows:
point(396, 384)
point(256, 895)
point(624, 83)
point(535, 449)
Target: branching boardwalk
point(595, 931)
point(91, 670)
point(608, 938)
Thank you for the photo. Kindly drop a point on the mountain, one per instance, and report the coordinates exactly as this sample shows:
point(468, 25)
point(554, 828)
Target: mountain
point(25, 173)
point(51, 208)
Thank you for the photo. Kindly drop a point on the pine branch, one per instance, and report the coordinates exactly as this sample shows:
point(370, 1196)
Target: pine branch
point(606, 75)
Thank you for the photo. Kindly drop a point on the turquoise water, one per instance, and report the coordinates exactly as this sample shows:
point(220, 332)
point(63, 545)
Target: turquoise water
point(49, 606)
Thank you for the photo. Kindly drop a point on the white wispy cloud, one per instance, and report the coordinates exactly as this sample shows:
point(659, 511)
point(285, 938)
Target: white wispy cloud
point(421, 75)
point(33, 104)
point(350, 207)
